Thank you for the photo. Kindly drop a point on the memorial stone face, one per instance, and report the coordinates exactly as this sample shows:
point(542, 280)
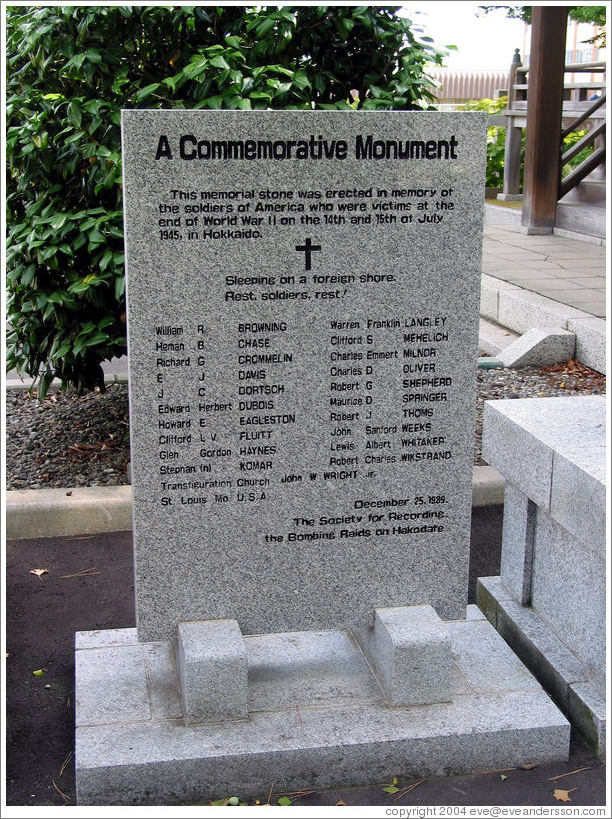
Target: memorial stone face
point(303, 296)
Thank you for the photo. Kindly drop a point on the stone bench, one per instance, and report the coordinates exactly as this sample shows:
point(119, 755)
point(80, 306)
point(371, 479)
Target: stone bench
point(549, 602)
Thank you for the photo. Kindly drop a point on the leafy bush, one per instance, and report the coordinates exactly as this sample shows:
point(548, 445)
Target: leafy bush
point(570, 140)
point(496, 139)
point(70, 71)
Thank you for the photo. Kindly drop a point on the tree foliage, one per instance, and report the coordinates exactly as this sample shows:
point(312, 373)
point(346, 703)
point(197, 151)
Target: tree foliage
point(70, 71)
point(580, 14)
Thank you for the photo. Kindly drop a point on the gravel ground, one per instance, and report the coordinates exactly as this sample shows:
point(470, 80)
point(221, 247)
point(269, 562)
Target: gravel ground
point(69, 441)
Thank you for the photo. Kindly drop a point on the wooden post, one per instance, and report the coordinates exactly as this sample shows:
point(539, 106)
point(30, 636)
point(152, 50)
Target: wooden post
point(544, 116)
point(514, 137)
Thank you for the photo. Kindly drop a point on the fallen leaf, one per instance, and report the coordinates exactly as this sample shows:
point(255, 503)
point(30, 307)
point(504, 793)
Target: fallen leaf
point(531, 767)
point(39, 572)
point(562, 796)
point(340, 803)
point(38, 673)
point(503, 776)
point(391, 787)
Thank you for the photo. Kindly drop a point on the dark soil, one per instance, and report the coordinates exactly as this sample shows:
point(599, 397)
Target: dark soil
point(89, 585)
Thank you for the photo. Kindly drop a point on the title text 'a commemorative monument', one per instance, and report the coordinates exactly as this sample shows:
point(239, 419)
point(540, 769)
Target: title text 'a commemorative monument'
point(303, 294)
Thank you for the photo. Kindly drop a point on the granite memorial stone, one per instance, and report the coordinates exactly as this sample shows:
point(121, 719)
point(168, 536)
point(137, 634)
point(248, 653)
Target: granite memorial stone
point(303, 321)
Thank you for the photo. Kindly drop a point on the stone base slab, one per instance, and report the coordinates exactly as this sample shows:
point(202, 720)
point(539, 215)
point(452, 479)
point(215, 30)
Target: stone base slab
point(559, 670)
point(317, 719)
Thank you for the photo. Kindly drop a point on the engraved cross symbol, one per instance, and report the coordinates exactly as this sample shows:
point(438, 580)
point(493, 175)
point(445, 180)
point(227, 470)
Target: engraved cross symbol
point(307, 248)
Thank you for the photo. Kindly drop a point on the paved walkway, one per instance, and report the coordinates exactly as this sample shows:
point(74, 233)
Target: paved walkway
point(568, 271)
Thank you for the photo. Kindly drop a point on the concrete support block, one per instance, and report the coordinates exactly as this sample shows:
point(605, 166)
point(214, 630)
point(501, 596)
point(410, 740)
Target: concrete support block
point(538, 347)
point(412, 651)
point(578, 491)
point(518, 534)
point(521, 437)
point(524, 459)
point(212, 671)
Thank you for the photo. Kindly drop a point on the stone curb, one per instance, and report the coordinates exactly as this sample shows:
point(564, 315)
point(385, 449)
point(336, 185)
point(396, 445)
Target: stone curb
point(36, 513)
point(520, 310)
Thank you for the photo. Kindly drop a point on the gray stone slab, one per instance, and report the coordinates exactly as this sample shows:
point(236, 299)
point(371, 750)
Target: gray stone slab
point(211, 664)
point(522, 458)
point(474, 613)
point(587, 710)
point(482, 657)
point(103, 638)
point(302, 332)
point(305, 668)
point(162, 679)
point(54, 513)
point(569, 590)
point(538, 347)
point(164, 700)
point(112, 685)
point(539, 648)
point(518, 535)
point(178, 775)
point(520, 436)
point(578, 492)
point(164, 762)
point(591, 339)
